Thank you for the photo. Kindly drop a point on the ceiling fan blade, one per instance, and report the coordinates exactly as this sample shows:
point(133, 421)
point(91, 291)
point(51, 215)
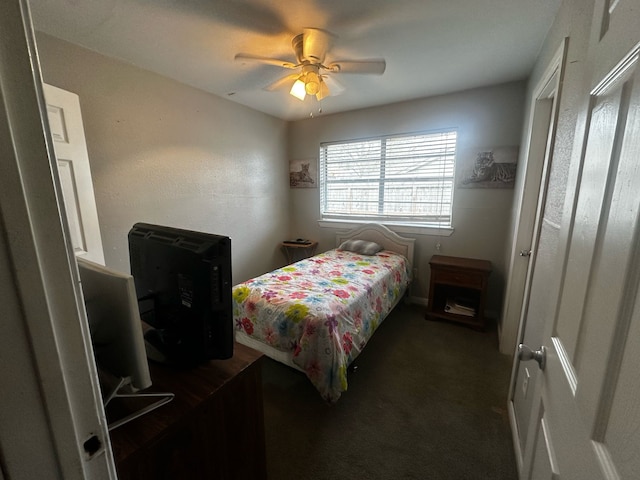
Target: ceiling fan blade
point(248, 57)
point(315, 44)
point(374, 66)
point(283, 82)
point(334, 85)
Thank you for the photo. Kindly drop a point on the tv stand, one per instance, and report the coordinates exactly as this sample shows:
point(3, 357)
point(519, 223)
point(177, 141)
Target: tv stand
point(213, 428)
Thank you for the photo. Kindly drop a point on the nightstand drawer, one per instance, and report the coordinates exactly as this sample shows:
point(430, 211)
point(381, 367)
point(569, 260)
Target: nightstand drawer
point(462, 279)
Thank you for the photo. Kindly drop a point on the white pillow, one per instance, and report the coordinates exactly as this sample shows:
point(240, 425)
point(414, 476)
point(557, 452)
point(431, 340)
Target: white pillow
point(363, 247)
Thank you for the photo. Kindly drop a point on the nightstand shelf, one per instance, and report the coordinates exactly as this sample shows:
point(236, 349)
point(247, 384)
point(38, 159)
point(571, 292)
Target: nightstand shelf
point(296, 251)
point(458, 284)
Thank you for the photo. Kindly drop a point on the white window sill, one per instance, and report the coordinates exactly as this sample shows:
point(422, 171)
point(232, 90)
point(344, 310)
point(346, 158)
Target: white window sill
point(396, 227)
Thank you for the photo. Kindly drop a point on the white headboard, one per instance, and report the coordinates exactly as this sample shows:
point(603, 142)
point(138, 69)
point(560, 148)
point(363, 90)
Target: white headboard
point(374, 232)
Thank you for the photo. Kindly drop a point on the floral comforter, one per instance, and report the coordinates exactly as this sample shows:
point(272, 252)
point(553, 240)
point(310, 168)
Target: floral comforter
point(322, 310)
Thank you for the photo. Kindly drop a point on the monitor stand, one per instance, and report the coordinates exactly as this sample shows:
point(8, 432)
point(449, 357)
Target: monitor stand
point(119, 391)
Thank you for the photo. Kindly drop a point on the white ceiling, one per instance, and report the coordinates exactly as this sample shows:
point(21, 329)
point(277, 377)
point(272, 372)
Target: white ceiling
point(431, 46)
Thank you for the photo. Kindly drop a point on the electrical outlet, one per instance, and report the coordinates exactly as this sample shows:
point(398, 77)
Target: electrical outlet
point(438, 246)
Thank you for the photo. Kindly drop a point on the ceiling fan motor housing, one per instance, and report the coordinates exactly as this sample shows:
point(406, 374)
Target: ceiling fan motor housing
point(296, 43)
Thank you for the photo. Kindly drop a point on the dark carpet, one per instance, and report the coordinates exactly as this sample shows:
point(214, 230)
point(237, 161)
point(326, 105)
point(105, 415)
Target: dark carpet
point(427, 400)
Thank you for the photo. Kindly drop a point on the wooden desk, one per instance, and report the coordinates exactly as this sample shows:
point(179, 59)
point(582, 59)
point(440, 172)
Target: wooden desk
point(456, 277)
point(213, 428)
point(297, 251)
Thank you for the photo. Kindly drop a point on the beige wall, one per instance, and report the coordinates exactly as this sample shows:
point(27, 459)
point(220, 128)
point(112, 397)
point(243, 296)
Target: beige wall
point(484, 117)
point(162, 152)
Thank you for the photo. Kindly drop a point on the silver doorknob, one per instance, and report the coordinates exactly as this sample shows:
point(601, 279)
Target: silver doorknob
point(525, 353)
point(525, 253)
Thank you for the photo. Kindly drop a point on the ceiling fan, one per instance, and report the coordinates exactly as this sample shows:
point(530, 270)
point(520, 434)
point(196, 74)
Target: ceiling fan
point(313, 76)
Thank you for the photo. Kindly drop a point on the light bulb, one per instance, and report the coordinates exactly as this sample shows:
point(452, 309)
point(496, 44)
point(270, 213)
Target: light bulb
point(298, 90)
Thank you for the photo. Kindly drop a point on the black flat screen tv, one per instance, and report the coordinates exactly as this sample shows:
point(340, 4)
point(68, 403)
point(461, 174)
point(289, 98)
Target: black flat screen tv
point(183, 287)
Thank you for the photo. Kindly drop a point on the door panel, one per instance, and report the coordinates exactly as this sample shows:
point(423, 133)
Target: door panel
point(544, 464)
point(70, 192)
point(589, 208)
point(67, 131)
point(610, 293)
point(623, 443)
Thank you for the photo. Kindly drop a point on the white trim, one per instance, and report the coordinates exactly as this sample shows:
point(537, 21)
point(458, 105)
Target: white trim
point(567, 367)
point(551, 453)
point(621, 69)
point(515, 438)
point(398, 228)
point(606, 462)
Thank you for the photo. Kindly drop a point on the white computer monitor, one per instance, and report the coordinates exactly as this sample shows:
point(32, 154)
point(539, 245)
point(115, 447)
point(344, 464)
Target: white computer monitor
point(114, 321)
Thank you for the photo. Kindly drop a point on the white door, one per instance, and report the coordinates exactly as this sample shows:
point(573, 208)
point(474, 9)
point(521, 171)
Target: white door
point(543, 127)
point(585, 303)
point(541, 138)
point(67, 131)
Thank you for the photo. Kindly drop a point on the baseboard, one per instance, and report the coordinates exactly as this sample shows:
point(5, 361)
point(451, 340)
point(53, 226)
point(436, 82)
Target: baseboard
point(418, 301)
point(515, 438)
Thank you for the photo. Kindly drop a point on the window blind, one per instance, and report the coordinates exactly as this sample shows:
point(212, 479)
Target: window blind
point(401, 179)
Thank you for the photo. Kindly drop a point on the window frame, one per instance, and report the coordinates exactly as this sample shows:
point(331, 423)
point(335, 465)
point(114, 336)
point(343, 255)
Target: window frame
point(406, 223)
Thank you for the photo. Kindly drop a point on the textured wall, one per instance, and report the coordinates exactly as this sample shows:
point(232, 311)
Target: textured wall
point(165, 153)
point(162, 152)
point(484, 117)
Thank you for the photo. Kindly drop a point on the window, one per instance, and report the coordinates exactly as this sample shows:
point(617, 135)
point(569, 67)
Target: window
point(398, 179)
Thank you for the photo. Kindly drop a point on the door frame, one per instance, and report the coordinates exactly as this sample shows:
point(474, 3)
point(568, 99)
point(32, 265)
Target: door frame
point(544, 112)
point(54, 420)
point(543, 118)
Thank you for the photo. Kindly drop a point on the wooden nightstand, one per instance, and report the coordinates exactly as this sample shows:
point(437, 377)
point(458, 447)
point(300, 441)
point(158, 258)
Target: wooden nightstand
point(458, 290)
point(298, 250)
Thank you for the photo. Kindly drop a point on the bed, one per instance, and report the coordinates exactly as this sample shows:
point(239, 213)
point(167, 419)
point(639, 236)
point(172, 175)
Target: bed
point(316, 315)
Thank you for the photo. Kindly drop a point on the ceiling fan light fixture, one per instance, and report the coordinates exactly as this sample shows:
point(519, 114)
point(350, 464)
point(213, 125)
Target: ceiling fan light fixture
point(298, 89)
point(323, 91)
point(310, 48)
point(312, 83)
